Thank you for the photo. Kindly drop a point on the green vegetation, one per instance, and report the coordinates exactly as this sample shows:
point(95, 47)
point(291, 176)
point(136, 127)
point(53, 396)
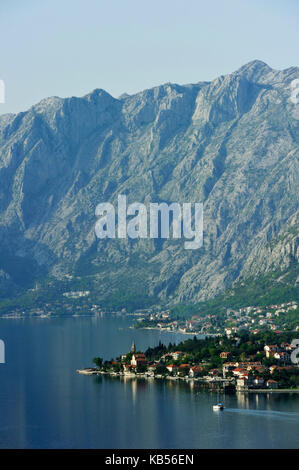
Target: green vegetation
point(206, 355)
point(272, 288)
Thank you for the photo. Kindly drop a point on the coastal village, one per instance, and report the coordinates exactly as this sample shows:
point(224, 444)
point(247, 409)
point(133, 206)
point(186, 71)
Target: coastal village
point(244, 362)
point(252, 319)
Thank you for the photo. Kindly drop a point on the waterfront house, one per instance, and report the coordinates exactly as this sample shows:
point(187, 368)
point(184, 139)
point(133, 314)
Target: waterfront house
point(183, 369)
point(172, 368)
point(258, 382)
point(195, 371)
point(138, 359)
point(272, 384)
point(127, 369)
point(243, 382)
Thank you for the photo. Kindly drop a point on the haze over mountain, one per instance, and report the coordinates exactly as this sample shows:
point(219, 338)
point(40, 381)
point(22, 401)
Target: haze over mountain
point(231, 143)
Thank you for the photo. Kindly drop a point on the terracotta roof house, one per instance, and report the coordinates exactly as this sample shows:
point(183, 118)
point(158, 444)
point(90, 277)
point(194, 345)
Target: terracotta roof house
point(195, 371)
point(183, 369)
point(272, 384)
point(138, 359)
point(172, 368)
point(224, 354)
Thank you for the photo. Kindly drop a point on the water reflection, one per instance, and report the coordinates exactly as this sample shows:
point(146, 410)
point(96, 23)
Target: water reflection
point(44, 403)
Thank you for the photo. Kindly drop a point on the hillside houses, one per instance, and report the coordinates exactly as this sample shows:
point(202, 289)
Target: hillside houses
point(252, 363)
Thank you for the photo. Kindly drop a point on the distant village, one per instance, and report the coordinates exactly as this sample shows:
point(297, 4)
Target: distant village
point(253, 319)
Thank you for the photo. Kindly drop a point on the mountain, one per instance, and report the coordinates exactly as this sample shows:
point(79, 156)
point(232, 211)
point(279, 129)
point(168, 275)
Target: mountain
point(231, 143)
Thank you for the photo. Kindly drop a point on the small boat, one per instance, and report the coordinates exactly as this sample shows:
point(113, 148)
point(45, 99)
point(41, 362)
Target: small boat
point(217, 407)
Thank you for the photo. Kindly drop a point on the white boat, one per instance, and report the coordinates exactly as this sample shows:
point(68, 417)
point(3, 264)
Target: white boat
point(217, 407)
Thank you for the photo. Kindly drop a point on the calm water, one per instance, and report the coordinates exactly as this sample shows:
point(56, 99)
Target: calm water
point(44, 403)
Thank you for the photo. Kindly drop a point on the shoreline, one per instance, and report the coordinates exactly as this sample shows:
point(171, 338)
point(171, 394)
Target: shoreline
point(210, 385)
point(165, 330)
point(265, 390)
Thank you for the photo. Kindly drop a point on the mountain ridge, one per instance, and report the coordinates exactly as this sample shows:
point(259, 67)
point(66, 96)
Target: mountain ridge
point(230, 143)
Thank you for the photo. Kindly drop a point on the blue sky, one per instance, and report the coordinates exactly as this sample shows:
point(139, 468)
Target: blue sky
point(70, 47)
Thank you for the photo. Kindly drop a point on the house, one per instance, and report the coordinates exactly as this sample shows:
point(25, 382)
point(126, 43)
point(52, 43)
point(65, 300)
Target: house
point(195, 371)
point(172, 368)
point(272, 384)
point(224, 354)
point(238, 371)
point(271, 350)
point(228, 367)
point(257, 367)
point(127, 369)
point(151, 369)
point(248, 364)
point(138, 359)
point(243, 382)
point(258, 382)
point(282, 356)
point(272, 369)
point(287, 347)
point(183, 369)
point(175, 355)
point(279, 368)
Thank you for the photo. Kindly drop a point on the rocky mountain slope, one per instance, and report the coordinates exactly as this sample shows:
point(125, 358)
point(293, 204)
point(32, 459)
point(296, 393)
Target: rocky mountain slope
point(231, 143)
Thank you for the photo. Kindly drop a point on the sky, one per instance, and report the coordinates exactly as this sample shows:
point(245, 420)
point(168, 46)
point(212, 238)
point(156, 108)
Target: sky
point(70, 47)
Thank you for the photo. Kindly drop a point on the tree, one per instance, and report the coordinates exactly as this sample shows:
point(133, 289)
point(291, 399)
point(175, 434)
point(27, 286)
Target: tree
point(98, 361)
point(116, 367)
point(161, 369)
